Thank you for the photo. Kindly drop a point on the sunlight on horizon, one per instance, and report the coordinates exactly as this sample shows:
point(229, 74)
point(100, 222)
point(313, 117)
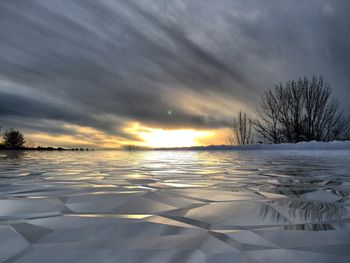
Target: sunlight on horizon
point(160, 138)
point(174, 138)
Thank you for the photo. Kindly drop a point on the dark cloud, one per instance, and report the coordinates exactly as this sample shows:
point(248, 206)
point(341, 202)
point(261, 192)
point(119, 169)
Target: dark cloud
point(105, 63)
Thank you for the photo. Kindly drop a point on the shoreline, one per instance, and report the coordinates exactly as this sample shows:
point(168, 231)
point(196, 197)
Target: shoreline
point(301, 146)
point(314, 145)
point(49, 149)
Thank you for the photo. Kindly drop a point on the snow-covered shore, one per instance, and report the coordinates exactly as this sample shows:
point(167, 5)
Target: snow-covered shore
point(313, 145)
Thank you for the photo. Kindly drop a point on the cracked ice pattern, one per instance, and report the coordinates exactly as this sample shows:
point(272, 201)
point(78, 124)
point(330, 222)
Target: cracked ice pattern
point(175, 206)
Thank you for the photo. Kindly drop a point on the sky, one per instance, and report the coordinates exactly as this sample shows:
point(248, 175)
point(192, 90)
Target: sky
point(107, 73)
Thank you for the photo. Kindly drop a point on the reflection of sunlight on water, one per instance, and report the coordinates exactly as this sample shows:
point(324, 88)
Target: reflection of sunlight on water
point(126, 216)
point(308, 183)
point(183, 185)
point(135, 176)
point(103, 185)
point(169, 157)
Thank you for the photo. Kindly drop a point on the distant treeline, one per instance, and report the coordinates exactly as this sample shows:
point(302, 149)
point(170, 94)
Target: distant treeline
point(14, 140)
point(297, 111)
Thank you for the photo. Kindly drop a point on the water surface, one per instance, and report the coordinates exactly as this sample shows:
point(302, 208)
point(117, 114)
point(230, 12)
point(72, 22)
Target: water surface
point(175, 206)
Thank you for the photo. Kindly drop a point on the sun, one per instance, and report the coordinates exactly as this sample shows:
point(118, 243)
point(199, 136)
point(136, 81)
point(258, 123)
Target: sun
point(160, 138)
point(174, 138)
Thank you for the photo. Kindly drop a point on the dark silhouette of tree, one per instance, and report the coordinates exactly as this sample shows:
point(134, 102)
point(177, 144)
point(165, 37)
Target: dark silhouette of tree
point(13, 139)
point(268, 125)
point(323, 120)
point(241, 130)
point(301, 110)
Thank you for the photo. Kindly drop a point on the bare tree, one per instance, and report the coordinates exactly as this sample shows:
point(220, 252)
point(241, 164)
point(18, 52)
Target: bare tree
point(29, 144)
point(241, 130)
point(267, 125)
point(301, 110)
point(323, 119)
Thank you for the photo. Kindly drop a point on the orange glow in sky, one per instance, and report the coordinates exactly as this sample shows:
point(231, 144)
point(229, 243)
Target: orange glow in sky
point(174, 138)
point(157, 138)
point(88, 137)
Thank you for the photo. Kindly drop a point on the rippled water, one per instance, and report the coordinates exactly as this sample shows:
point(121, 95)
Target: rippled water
point(173, 206)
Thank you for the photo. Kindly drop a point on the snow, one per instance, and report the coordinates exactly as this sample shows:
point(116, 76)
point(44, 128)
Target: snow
point(313, 145)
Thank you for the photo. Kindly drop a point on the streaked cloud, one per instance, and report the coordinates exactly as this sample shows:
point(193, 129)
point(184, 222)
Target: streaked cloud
point(101, 65)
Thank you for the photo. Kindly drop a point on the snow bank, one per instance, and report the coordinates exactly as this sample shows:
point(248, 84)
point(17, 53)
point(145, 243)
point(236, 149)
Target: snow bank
point(313, 145)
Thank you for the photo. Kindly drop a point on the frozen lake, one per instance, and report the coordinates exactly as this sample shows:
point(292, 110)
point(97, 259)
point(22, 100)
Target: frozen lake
point(175, 206)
